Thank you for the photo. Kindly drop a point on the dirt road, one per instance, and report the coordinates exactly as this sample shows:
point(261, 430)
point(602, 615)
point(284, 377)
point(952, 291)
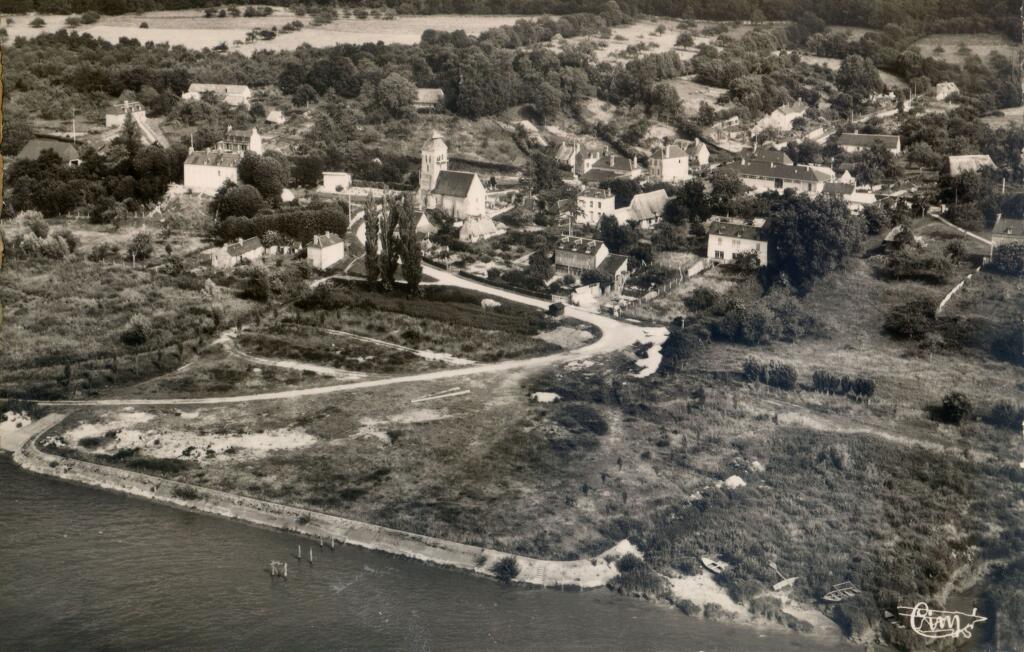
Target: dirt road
point(615, 336)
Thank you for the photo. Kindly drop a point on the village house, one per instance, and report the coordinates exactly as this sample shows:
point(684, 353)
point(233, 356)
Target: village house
point(781, 118)
point(115, 115)
point(593, 167)
point(944, 90)
point(67, 152)
point(857, 142)
point(644, 210)
point(207, 170)
point(428, 99)
point(325, 250)
point(276, 117)
point(969, 163)
point(766, 155)
point(856, 198)
point(729, 236)
point(1007, 230)
point(233, 94)
point(576, 255)
point(697, 152)
point(235, 252)
point(595, 203)
point(669, 164)
point(762, 177)
point(336, 182)
point(475, 229)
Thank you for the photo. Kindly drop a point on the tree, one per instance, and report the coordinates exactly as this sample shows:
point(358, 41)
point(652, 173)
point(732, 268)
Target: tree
point(705, 114)
point(858, 77)
point(256, 284)
point(619, 239)
point(726, 186)
point(243, 200)
point(808, 238)
point(37, 22)
point(36, 223)
point(372, 246)
point(875, 165)
point(389, 248)
point(395, 96)
point(140, 247)
point(547, 100)
point(1009, 259)
point(409, 244)
point(545, 172)
point(264, 173)
point(128, 140)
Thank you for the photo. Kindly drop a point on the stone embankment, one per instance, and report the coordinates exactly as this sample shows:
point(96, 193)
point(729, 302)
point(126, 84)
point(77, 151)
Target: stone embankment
point(584, 574)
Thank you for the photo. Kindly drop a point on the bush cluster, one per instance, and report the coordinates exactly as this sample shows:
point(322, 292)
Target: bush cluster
point(827, 382)
point(774, 373)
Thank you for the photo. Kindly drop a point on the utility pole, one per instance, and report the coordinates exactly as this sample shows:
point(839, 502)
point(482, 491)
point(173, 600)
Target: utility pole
point(74, 125)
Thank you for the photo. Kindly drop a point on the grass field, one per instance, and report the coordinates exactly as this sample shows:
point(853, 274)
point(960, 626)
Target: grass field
point(191, 29)
point(977, 44)
point(691, 94)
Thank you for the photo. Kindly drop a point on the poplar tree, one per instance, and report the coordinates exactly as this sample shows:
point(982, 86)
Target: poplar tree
point(372, 229)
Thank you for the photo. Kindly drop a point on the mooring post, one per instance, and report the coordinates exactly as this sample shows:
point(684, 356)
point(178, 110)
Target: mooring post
point(286, 570)
point(332, 544)
point(311, 555)
point(298, 555)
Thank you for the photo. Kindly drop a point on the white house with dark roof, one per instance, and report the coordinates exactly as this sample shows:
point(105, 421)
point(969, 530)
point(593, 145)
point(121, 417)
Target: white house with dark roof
point(235, 252)
point(945, 90)
point(762, 176)
point(696, 150)
point(644, 210)
point(670, 164)
point(335, 182)
point(766, 155)
point(857, 142)
point(207, 170)
point(234, 94)
point(475, 229)
point(1007, 230)
point(728, 236)
point(575, 255)
point(593, 167)
point(325, 250)
point(781, 118)
point(276, 117)
point(116, 114)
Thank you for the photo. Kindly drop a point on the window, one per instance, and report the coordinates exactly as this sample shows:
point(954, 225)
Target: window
point(719, 241)
point(778, 183)
point(719, 255)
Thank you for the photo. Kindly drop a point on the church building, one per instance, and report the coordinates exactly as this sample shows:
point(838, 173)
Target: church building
point(460, 194)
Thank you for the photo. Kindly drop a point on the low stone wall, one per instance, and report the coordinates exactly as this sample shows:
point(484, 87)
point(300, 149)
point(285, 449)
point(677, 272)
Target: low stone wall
point(586, 573)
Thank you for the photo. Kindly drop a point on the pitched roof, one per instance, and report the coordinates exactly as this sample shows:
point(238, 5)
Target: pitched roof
point(429, 95)
point(645, 206)
point(435, 143)
point(578, 245)
point(767, 155)
point(1011, 226)
point(125, 107)
point(454, 184)
point(239, 247)
point(613, 264)
point(33, 148)
point(221, 89)
point(214, 157)
point(867, 140)
point(734, 230)
point(480, 227)
point(239, 136)
point(670, 151)
point(969, 163)
point(325, 240)
point(773, 171)
point(615, 162)
point(836, 188)
point(597, 176)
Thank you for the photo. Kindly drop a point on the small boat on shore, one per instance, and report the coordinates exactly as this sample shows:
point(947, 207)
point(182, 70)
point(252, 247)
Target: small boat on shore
point(716, 566)
point(841, 592)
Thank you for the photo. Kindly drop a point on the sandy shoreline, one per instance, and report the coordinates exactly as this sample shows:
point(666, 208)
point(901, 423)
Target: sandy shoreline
point(589, 573)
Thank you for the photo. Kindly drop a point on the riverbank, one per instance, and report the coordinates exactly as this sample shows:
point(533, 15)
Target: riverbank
point(590, 573)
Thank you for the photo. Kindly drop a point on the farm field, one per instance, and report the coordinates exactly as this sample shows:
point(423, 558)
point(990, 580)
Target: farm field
point(977, 44)
point(833, 64)
point(1009, 117)
point(191, 29)
point(691, 94)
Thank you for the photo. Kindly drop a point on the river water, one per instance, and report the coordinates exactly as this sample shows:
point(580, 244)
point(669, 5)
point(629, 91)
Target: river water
point(86, 569)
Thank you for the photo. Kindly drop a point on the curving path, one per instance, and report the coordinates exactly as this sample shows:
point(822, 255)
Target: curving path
point(615, 335)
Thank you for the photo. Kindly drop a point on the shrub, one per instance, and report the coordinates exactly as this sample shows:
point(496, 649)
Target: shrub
point(628, 563)
point(144, 25)
point(506, 569)
point(688, 607)
point(138, 331)
point(782, 375)
point(36, 223)
point(186, 492)
point(37, 22)
point(955, 407)
point(90, 17)
point(910, 321)
point(556, 309)
point(1005, 414)
point(701, 299)
point(1009, 259)
point(72, 21)
point(913, 263)
point(825, 382)
point(579, 416)
point(754, 371)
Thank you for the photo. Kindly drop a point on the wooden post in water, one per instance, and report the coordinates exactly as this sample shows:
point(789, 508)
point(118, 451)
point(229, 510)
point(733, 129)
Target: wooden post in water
point(298, 555)
point(321, 543)
point(311, 555)
point(332, 544)
point(285, 570)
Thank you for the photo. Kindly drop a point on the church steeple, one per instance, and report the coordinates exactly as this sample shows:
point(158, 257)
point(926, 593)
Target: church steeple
point(434, 159)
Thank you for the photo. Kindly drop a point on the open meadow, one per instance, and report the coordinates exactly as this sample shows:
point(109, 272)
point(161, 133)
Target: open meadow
point(191, 29)
point(955, 48)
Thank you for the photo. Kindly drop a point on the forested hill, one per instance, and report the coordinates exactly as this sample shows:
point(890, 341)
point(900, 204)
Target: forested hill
point(918, 15)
